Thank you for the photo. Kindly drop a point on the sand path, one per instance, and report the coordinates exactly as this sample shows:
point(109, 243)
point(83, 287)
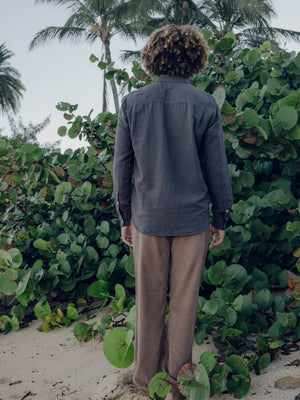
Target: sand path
point(55, 366)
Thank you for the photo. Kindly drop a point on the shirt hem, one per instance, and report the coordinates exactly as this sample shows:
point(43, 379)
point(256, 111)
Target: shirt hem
point(189, 233)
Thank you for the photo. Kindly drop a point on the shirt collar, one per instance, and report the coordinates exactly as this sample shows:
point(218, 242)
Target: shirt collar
point(169, 78)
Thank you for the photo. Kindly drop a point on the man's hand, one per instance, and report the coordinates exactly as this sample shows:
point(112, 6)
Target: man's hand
point(218, 236)
point(126, 235)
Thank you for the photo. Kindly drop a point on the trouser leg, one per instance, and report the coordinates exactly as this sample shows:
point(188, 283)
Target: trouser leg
point(187, 258)
point(151, 259)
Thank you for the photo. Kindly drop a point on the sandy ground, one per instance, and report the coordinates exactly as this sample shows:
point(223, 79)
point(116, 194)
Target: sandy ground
point(55, 366)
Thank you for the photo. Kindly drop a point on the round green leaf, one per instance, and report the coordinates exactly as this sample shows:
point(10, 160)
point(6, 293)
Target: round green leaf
point(287, 117)
point(74, 173)
point(72, 313)
point(62, 131)
point(276, 344)
point(98, 288)
point(63, 238)
point(195, 384)
point(242, 153)
point(8, 285)
point(251, 118)
point(207, 34)
point(208, 360)
point(41, 244)
point(16, 257)
point(130, 266)
point(5, 258)
point(263, 362)
point(119, 291)
point(263, 299)
point(63, 106)
point(102, 242)
point(28, 148)
point(274, 86)
point(92, 255)
point(159, 385)
point(116, 348)
point(22, 285)
point(266, 46)
point(61, 192)
point(83, 331)
point(232, 77)
point(104, 227)
point(216, 273)
point(93, 58)
point(220, 96)
point(114, 250)
point(211, 307)
point(230, 316)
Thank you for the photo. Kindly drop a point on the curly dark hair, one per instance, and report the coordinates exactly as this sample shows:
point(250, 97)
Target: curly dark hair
point(175, 50)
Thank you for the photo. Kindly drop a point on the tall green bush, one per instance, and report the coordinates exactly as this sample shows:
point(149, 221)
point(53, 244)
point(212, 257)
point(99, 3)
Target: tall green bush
point(60, 233)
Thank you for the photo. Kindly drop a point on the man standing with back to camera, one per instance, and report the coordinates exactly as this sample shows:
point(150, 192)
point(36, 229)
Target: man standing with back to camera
point(170, 138)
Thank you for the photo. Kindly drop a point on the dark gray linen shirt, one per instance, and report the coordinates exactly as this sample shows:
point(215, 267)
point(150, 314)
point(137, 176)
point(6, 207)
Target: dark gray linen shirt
point(170, 137)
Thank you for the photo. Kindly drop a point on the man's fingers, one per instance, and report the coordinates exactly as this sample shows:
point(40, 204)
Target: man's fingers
point(127, 241)
point(216, 242)
point(218, 237)
point(126, 235)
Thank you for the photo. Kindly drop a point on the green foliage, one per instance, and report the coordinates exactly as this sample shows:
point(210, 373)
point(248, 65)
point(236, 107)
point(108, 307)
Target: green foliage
point(21, 134)
point(55, 318)
point(160, 385)
point(194, 384)
point(208, 377)
point(239, 380)
point(11, 87)
point(57, 211)
point(60, 235)
point(118, 347)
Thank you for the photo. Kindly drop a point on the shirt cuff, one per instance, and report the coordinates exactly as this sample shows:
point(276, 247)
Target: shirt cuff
point(219, 220)
point(125, 220)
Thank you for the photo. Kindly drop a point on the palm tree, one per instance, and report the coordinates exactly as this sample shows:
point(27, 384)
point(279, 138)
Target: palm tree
point(249, 20)
point(11, 87)
point(158, 14)
point(90, 20)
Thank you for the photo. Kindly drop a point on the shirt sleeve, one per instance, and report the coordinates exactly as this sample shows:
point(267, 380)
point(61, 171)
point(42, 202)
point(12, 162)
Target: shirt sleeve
point(123, 168)
point(215, 169)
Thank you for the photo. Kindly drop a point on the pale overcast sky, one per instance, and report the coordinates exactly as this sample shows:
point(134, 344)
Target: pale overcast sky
point(62, 72)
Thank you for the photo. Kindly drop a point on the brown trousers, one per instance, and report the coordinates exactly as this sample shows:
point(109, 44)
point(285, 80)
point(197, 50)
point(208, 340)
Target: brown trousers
point(155, 349)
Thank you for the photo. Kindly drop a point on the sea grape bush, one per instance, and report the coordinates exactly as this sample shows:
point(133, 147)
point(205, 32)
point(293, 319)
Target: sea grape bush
point(258, 94)
point(58, 228)
point(60, 233)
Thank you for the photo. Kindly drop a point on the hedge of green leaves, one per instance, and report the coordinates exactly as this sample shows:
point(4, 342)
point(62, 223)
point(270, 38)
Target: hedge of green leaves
point(60, 233)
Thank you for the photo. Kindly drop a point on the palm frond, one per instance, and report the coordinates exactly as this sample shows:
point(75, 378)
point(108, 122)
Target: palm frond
point(142, 9)
point(286, 34)
point(11, 90)
point(11, 87)
point(146, 29)
point(257, 36)
point(130, 55)
point(5, 54)
point(127, 30)
point(56, 32)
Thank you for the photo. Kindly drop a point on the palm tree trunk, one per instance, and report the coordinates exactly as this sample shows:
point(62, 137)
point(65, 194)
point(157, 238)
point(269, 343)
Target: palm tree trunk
point(185, 12)
point(113, 82)
point(104, 94)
